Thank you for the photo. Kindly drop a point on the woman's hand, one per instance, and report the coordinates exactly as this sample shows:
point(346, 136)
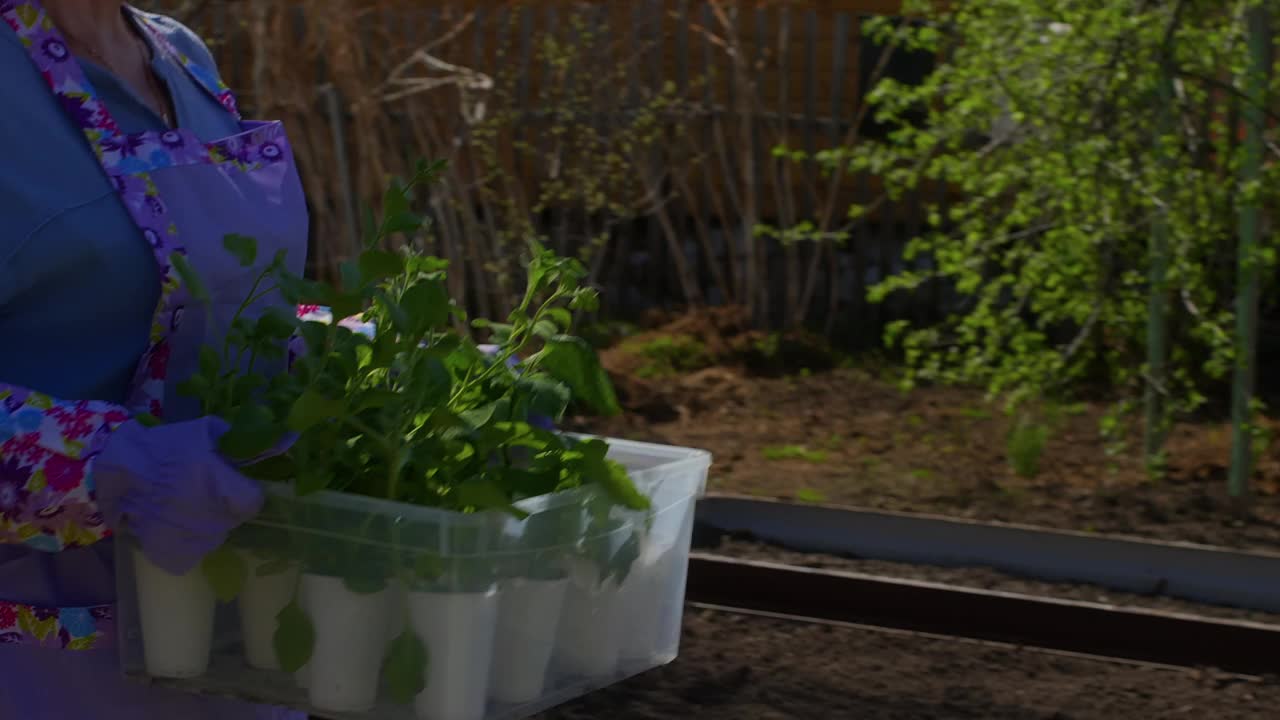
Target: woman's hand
point(173, 490)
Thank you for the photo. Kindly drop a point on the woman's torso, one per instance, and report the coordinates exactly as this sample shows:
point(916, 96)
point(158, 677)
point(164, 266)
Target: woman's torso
point(78, 284)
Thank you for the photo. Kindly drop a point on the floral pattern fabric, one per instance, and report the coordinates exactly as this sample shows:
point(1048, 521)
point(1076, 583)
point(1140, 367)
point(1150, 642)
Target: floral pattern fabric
point(47, 445)
point(87, 628)
point(46, 489)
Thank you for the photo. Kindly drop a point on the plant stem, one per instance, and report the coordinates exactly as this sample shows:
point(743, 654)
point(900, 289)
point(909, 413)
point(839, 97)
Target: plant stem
point(1158, 293)
point(1256, 84)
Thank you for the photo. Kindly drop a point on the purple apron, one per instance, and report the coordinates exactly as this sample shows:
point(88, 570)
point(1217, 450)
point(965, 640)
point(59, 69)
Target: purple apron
point(184, 195)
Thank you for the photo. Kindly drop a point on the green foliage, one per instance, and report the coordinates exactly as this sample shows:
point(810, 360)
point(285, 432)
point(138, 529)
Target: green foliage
point(668, 355)
point(294, 638)
point(1040, 120)
point(414, 412)
point(1026, 445)
point(405, 667)
point(417, 413)
point(226, 572)
point(793, 452)
point(807, 495)
point(592, 175)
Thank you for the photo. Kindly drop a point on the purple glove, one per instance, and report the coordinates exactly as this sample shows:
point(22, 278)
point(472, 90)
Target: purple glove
point(172, 490)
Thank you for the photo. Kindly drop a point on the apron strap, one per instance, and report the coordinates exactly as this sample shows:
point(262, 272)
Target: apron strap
point(205, 77)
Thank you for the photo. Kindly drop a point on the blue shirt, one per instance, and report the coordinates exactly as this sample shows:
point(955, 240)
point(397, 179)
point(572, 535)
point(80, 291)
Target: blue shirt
point(78, 284)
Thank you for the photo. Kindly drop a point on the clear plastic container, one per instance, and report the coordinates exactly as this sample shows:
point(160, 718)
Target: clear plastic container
point(512, 615)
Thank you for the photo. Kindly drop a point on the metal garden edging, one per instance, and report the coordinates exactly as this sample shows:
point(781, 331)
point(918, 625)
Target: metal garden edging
point(1193, 572)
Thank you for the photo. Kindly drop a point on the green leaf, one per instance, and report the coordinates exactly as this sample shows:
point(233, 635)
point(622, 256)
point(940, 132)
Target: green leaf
point(298, 290)
point(376, 265)
point(597, 468)
point(197, 386)
point(395, 200)
point(226, 572)
point(277, 468)
point(561, 317)
point(405, 668)
point(428, 566)
point(311, 479)
point(425, 172)
point(275, 323)
point(426, 265)
point(148, 420)
point(545, 329)
point(399, 318)
point(572, 361)
point(619, 566)
point(245, 249)
point(499, 333)
point(210, 364)
point(431, 383)
point(405, 222)
point(427, 305)
point(253, 432)
point(310, 409)
point(278, 566)
point(189, 277)
point(479, 417)
point(546, 396)
point(345, 305)
point(482, 494)
point(294, 639)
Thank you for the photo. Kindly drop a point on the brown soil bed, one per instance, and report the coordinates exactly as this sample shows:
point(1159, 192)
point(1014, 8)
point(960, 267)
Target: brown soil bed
point(979, 577)
point(849, 436)
point(746, 668)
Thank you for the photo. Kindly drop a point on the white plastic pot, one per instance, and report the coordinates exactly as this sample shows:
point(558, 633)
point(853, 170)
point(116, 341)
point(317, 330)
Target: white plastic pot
point(176, 613)
point(528, 617)
point(642, 602)
point(260, 601)
point(346, 662)
point(458, 630)
point(588, 641)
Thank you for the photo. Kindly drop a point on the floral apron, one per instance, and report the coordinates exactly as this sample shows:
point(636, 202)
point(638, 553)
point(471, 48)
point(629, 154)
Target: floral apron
point(185, 196)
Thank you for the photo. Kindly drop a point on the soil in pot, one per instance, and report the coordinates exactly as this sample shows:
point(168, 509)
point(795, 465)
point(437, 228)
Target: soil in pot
point(528, 620)
point(177, 617)
point(350, 639)
point(458, 631)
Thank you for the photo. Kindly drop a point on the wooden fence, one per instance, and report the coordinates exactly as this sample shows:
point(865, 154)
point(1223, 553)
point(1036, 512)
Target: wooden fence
point(642, 135)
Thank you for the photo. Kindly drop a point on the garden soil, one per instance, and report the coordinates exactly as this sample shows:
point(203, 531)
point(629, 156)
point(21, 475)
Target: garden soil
point(735, 667)
point(783, 421)
point(981, 578)
point(848, 436)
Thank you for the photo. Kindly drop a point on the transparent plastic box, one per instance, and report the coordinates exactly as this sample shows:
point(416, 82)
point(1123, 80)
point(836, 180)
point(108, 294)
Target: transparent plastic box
point(514, 615)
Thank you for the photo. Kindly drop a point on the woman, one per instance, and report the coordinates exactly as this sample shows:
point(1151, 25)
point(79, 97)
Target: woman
point(119, 147)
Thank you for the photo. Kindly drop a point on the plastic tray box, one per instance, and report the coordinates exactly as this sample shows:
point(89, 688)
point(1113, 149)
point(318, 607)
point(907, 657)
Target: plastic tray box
point(504, 617)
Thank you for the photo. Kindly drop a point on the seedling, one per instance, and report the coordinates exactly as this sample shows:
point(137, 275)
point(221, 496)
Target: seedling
point(415, 412)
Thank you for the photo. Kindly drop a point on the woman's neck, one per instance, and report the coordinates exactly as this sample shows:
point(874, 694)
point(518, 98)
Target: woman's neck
point(96, 23)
